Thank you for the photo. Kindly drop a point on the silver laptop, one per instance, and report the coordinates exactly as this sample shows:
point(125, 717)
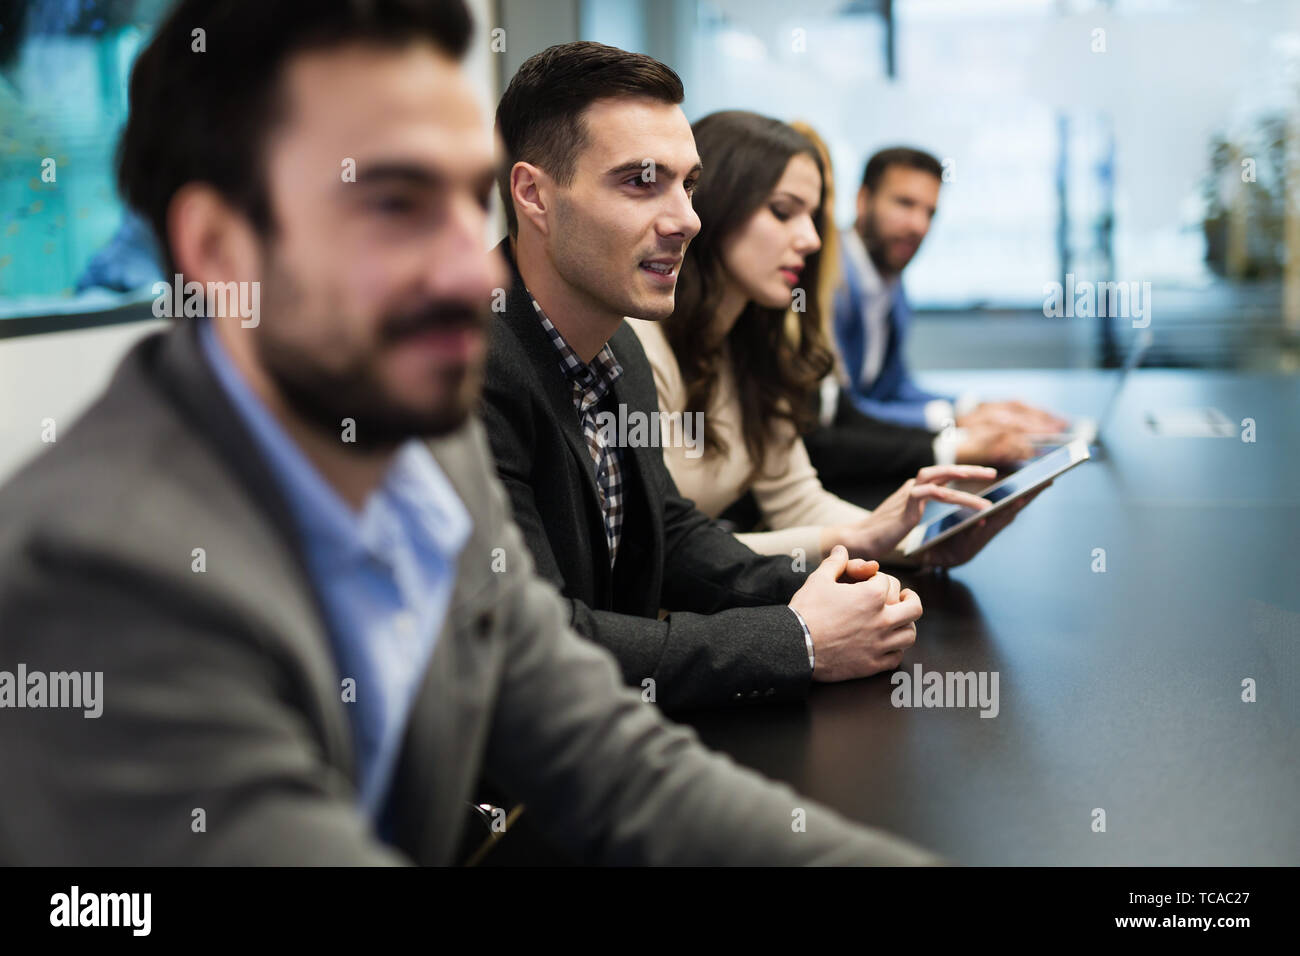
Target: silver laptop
point(1090, 430)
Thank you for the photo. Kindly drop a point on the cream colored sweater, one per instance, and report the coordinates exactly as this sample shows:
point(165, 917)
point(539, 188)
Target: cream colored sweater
point(791, 497)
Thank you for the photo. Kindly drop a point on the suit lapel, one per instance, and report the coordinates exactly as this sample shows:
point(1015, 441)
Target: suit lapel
point(450, 715)
point(637, 463)
point(891, 371)
point(850, 319)
point(900, 314)
point(523, 321)
point(192, 387)
point(559, 391)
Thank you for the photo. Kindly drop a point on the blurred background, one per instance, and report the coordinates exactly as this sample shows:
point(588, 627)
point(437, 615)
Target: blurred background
point(1134, 141)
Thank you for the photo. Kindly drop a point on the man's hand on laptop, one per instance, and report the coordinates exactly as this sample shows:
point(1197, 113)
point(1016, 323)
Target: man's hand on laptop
point(1014, 416)
point(994, 445)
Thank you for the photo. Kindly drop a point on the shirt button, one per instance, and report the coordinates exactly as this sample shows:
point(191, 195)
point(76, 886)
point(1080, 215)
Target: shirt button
point(771, 691)
point(739, 695)
point(404, 621)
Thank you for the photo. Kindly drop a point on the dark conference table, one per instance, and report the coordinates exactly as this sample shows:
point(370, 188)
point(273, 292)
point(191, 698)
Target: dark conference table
point(1120, 690)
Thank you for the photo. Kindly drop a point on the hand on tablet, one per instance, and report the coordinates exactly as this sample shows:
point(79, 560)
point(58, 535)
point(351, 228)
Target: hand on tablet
point(964, 545)
point(878, 534)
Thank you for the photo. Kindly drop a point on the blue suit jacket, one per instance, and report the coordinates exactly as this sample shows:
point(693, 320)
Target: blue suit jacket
point(892, 396)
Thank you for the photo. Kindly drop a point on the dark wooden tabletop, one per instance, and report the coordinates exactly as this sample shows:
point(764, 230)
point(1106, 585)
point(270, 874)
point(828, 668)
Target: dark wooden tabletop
point(1118, 690)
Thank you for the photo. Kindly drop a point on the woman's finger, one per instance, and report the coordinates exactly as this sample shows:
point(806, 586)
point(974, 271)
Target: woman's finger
point(940, 474)
point(951, 495)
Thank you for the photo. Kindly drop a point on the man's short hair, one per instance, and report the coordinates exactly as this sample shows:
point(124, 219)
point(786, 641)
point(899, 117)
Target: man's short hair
point(899, 156)
point(539, 117)
point(206, 90)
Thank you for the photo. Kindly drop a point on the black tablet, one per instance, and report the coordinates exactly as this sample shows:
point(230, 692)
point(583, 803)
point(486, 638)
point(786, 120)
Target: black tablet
point(955, 518)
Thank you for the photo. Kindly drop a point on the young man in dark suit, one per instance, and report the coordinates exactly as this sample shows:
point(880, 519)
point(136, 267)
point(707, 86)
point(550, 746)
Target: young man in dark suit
point(600, 165)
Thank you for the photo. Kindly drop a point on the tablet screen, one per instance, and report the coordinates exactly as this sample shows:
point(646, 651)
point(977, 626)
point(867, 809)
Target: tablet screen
point(1033, 474)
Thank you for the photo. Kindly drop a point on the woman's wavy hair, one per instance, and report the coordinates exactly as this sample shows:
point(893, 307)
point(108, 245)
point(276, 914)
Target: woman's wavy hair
point(744, 156)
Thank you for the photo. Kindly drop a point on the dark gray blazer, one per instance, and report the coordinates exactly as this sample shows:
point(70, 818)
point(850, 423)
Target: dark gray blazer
point(856, 449)
point(220, 692)
point(730, 637)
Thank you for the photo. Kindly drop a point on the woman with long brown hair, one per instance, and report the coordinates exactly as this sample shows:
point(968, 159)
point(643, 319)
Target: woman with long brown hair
point(726, 351)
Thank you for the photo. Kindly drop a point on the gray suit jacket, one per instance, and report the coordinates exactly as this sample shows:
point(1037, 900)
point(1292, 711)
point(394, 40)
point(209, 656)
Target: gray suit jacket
point(220, 693)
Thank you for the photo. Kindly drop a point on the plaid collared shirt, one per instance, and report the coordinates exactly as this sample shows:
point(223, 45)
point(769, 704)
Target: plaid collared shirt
point(591, 383)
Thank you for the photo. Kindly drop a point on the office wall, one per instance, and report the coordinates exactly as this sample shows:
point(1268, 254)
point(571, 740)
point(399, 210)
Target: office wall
point(531, 26)
point(55, 376)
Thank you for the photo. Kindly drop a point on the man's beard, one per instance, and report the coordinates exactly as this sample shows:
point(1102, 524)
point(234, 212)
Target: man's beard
point(326, 397)
point(878, 249)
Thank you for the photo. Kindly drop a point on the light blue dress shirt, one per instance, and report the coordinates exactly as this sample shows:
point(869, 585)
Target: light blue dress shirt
point(384, 574)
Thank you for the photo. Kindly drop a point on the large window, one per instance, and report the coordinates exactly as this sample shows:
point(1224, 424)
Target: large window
point(1136, 140)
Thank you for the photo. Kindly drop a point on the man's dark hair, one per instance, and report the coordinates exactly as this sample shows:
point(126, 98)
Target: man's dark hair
point(539, 117)
point(899, 156)
point(205, 116)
